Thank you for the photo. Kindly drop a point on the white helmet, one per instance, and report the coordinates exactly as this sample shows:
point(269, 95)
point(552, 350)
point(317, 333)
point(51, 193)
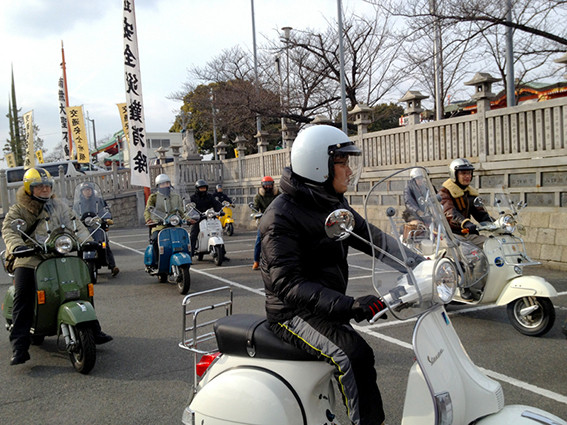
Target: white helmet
point(417, 172)
point(459, 164)
point(162, 178)
point(313, 150)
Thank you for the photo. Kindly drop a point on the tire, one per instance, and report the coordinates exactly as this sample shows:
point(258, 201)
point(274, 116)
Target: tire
point(229, 229)
point(83, 355)
point(184, 280)
point(93, 271)
point(162, 277)
point(537, 323)
point(218, 255)
point(37, 339)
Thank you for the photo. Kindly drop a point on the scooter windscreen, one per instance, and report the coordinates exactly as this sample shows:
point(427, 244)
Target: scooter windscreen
point(417, 262)
point(88, 201)
point(167, 205)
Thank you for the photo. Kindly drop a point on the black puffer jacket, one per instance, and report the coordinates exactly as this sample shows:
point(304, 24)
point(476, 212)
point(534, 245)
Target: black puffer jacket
point(304, 270)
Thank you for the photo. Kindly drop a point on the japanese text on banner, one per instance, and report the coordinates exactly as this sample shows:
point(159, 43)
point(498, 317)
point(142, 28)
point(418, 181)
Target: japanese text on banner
point(77, 121)
point(29, 161)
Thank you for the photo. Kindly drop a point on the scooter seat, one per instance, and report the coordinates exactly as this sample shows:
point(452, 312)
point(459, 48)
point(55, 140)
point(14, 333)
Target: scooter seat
point(249, 335)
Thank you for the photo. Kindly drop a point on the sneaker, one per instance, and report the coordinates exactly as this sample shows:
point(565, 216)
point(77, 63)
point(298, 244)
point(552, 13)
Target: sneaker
point(19, 357)
point(255, 266)
point(102, 338)
point(115, 271)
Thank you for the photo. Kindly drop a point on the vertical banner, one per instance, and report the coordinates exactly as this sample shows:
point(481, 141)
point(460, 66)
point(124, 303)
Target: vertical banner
point(139, 167)
point(10, 159)
point(29, 161)
point(39, 156)
point(63, 119)
point(78, 132)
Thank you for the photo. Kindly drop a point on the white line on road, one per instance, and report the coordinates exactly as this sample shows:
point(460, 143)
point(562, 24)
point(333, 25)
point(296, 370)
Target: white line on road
point(370, 331)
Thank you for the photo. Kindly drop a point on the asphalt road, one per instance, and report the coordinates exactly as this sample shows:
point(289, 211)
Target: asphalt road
point(143, 377)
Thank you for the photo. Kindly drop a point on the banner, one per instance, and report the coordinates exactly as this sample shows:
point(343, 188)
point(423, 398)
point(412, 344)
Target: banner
point(123, 111)
point(39, 156)
point(10, 160)
point(29, 161)
point(79, 132)
point(139, 166)
point(63, 118)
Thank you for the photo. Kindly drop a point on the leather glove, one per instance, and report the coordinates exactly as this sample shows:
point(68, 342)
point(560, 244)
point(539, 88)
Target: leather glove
point(109, 221)
point(21, 248)
point(366, 307)
point(89, 246)
point(470, 228)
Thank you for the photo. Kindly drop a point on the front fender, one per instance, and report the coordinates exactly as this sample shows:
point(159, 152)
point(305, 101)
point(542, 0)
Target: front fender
point(526, 286)
point(75, 312)
point(215, 240)
point(517, 414)
point(179, 259)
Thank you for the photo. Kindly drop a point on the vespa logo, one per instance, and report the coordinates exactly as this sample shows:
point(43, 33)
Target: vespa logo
point(433, 359)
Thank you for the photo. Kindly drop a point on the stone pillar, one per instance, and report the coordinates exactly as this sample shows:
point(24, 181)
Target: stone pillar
point(4, 192)
point(482, 83)
point(413, 109)
point(361, 114)
point(240, 142)
point(175, 152)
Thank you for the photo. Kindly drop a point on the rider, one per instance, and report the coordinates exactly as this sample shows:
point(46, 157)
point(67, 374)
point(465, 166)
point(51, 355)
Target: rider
point(457, 198)
point(412, 192)
point(35, 204)
point(305, 273)
point(203, 200)
point(163, 201)
point(221, 196)
point(90, 202)
point(266, 194)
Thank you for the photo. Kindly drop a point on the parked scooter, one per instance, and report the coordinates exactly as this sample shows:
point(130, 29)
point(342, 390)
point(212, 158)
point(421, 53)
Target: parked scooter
point(255, 378)
point(172, 261)
point(497, 268)
point(226, 220)
point(210, 239)
point(64, 302)
point(95, 215)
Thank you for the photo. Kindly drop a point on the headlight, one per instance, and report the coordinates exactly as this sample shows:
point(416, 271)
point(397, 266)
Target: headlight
point(444, 280)
point(210, 213)
point(174, 220)
point(63, 244)
point(89, 221)
point(509, 224)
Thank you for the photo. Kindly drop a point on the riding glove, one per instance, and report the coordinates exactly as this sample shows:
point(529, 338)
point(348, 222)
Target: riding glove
point(471, 227)
point(366, 307)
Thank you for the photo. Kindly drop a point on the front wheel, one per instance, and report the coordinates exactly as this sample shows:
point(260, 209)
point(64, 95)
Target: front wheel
point(218, 254)
point(93, 271)
point(183, 280)
point(229, 229)
point(539, 319)
point(83, 354)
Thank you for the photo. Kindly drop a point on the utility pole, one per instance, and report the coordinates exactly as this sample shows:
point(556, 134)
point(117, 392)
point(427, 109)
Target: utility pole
point(510, 79)
point(342, 65)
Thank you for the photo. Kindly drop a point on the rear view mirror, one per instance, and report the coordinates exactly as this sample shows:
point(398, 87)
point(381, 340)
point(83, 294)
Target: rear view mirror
point(339, 224)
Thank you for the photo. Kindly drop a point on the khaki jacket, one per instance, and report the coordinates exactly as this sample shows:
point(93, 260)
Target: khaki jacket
point(158, 201)
point(31, 211)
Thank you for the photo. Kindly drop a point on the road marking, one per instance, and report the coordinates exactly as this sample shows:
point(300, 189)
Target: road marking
point(369, 330)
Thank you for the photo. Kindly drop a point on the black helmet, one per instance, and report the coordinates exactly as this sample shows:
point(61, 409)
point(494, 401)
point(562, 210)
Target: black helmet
point(219, 186)
point(201, 183)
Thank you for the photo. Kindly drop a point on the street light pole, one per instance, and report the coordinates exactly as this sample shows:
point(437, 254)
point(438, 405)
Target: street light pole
point(342, 67)
point(258, 118)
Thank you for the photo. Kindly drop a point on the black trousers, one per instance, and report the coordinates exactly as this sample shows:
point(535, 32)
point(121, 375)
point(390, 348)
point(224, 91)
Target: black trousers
point(23, 310)
point(341, 346)
point(193, 234)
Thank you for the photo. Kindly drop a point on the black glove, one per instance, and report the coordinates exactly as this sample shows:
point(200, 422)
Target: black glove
point(89, 246)
point(23, 251)
point(471, 227)
point(21, 248)
point(366, 307)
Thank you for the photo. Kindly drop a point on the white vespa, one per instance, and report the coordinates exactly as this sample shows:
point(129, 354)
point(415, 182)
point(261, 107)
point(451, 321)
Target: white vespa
point(210, 239)
point(498, 268)
point(252, 377)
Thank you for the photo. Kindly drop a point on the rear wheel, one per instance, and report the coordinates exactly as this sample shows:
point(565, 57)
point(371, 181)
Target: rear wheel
point(218, 254)
point(532, 316)
point(83, 354)
point(184, 280)
point(229, 229)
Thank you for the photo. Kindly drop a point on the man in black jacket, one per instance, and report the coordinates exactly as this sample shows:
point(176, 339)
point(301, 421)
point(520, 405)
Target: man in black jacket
point(305, 273)
point(203, 200)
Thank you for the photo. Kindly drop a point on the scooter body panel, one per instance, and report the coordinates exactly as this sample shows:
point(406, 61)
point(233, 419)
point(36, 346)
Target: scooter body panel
point(243, 390)
point(210, 231)
point(172, 241)
point(214, 241)
point(149, 255)
point(445, 367)
point(517, 414)
point(526, 286)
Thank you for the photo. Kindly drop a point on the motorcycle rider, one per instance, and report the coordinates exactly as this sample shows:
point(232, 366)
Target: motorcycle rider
point(221, 196)
point(412, 192)
point(457, 199)
point(89, 202)
point(305, 273)
point(203, 200)
point(35, 203)
point(158, 200)
point(266, 194)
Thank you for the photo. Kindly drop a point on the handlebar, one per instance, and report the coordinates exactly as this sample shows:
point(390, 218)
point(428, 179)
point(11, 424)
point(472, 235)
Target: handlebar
point(25, 252)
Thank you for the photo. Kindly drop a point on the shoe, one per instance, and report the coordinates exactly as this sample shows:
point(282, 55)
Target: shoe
point(466, 294)
point(226, 259)
point(115, 271)
point(255, 266)
point(19, 357)
point(102, 338)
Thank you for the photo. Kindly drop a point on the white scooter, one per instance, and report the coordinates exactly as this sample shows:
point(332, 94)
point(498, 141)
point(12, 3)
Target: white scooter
point(210, 239)
point(497, 268)
point(252, 377)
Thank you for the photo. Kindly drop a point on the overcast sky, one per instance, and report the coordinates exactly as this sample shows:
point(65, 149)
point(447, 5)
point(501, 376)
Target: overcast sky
point(173, 35)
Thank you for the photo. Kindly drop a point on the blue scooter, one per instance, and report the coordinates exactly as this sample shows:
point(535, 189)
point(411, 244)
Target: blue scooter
point(174, 248)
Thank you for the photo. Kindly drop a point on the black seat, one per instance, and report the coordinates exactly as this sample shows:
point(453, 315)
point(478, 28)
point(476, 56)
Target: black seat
point(250, 335)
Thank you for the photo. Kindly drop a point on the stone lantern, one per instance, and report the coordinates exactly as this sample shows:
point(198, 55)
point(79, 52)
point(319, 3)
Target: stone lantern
point(262, 143)
point(413, 100)
point(289, 131)
point(482, 82)
point(361, 113)
point(221, 149)
point(322, 119)
point(161, 154)
point(240, 145)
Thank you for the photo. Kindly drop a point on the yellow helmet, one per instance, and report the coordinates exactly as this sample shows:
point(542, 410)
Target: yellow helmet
point(34, 177)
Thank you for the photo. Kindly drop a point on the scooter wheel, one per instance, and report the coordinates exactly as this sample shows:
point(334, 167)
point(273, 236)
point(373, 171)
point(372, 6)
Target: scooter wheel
point(93, 272)
point(218, 255)
point(538, 322)
point(229, 229)
point(184, 280)
point(83, 355)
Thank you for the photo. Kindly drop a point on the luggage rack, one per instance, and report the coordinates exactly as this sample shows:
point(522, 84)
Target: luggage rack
point(514, 250)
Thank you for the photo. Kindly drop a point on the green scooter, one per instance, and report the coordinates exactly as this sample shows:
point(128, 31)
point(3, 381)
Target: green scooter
point(64, 302)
